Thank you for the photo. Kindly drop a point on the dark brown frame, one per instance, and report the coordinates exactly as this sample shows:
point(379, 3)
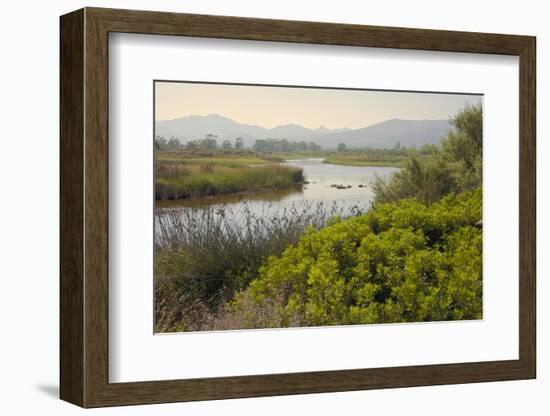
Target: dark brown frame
point(84, 209)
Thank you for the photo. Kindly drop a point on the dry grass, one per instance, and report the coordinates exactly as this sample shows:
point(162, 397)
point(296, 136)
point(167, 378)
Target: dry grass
point(179, 180)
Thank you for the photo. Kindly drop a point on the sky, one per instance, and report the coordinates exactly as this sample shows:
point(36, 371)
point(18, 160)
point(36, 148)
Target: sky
point(269, 107)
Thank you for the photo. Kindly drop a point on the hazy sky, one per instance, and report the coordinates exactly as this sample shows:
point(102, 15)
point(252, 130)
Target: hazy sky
point(309, 107)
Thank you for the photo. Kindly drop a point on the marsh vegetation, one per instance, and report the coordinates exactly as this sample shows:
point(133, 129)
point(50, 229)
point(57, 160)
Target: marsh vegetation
point(180, 175)
point(252, 239)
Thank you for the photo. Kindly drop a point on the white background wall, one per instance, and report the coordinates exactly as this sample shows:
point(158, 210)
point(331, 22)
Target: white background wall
point(29, 207)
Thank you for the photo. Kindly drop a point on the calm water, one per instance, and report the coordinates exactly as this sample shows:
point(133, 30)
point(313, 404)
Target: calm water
point(358, 193)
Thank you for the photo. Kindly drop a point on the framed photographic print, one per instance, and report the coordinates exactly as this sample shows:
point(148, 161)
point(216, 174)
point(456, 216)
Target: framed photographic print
point(255, 207)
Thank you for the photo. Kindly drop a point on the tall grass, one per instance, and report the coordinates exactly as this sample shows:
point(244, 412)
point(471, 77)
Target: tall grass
point(367, 160)
point(220, 157)
point(203, 256)
point(176, 180)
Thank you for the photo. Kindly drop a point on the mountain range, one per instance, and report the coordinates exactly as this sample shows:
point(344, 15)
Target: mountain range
point(381, 135)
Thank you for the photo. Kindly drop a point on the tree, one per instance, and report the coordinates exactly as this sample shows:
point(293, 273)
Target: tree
point(173, 144)
point(260, 146)
point(470, 123)
point(209, 142)
point(397, 147)
point(314, 147)
point(160, 143)
point(284, 145)
point(455, 165)
point(193, 144)
point(226, 145)
point(239, 143)
point(341, 147)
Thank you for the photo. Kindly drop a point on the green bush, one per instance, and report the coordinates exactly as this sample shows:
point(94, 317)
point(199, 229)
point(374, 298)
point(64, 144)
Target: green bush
point(400, 262)
point(454, 166)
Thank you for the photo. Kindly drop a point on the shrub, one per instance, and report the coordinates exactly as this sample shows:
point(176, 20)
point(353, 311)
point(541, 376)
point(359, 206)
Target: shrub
point(400, 262)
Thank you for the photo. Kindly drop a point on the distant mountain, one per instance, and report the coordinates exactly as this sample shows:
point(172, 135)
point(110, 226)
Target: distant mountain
point(196, 127)
point(385, 134)
point(388, 133)
point(289, 130)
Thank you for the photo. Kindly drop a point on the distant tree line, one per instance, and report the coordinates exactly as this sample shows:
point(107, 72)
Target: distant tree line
point(396, 150)
point(162, 143)
point(209, 142)
point(272, 145)
point(284, 146)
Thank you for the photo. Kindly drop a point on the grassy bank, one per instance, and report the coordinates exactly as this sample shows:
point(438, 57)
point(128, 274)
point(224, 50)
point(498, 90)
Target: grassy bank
point(366, 160)
point(219, 158)
point(180, 175)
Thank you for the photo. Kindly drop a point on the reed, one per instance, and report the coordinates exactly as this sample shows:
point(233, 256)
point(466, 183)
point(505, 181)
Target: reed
point(203, 256)
point(175, 180)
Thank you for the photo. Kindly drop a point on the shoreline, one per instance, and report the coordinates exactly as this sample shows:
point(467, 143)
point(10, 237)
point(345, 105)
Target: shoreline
point(195, 201)
point(361, 163)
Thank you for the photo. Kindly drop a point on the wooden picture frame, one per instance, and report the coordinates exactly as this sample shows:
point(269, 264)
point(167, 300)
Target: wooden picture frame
point(84, 207)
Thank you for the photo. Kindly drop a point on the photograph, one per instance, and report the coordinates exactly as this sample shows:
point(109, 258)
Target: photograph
point(286, 206)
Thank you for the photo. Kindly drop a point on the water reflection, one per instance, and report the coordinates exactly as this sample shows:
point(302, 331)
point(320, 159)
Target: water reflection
point(333, 188)
point(268, 196)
